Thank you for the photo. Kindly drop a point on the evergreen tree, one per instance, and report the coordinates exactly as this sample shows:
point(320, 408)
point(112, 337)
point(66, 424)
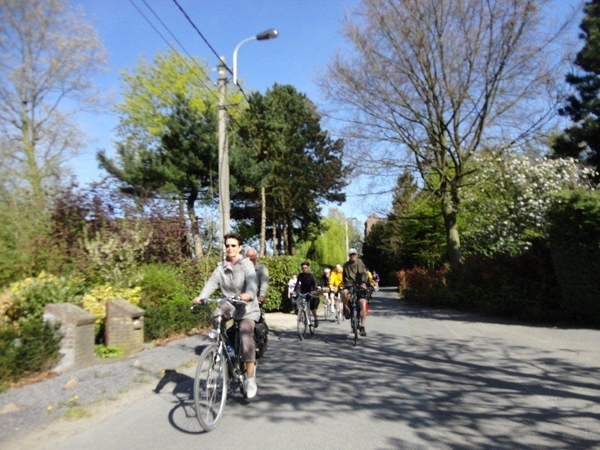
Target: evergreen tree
point(168, 145)
point(582, 139)
point(284, 150)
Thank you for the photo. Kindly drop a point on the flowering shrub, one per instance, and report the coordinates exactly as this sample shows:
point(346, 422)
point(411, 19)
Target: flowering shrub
point(95, 300)
point(116, 255)
point(507, 200)
point(25, 299)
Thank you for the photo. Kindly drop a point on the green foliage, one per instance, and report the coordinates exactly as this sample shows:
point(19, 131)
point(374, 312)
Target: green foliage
point(168, 144)
point(115, 256)
point(421, 285)
point(581, 139)
point(413, 234)
point(108, 351)
point(523, 287)
point(25, 245)
point(283, 148)
point(29, 296)
point(281, 269)
point(505, 206)
point(94, 301)
point(575, 242)
point(29, 348)
point(167, 292)
point(329, 247)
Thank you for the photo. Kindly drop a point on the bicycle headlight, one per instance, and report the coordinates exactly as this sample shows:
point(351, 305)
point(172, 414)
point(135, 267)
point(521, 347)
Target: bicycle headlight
point(213, 334)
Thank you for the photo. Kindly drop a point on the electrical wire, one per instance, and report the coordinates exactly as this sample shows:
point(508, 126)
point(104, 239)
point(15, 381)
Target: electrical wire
point(201, 35)
point(213, 86)
point(208, 44)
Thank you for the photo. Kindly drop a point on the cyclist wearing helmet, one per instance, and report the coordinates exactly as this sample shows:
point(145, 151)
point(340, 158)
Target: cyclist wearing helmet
point(355, 274)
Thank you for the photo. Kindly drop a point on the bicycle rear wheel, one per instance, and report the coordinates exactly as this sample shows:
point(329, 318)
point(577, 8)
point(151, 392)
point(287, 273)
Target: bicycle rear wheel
point(210, 387)
point(302, 324)
point(339, 313)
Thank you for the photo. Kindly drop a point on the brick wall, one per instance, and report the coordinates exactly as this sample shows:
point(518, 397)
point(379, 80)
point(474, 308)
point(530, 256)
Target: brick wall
point(124, 326)
point(77, 328)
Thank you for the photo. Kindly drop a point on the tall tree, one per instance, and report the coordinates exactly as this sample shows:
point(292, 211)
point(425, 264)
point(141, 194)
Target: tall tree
point(168, 135)
point(49, 54)
point(300, 164)
point(431, 81)
point(582, 139)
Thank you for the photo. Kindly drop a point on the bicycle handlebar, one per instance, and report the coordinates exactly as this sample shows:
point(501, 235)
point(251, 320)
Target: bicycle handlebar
point(236, 300)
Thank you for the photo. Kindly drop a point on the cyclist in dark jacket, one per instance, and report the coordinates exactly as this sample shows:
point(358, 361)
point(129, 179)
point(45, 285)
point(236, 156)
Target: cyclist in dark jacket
point(307, 283)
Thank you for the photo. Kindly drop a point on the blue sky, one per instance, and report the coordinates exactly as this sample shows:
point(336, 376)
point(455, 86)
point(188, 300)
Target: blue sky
point(309, 35)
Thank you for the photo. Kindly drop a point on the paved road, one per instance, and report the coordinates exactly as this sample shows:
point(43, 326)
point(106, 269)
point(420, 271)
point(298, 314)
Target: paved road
point(422, 379)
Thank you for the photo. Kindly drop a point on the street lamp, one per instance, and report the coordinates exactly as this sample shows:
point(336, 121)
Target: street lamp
point(347, 239)
point(224, 209)
point(271, 33)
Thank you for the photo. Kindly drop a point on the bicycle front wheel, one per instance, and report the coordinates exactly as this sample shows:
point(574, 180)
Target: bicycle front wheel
point(210, 387)
point(302, 324)
point(355, 325)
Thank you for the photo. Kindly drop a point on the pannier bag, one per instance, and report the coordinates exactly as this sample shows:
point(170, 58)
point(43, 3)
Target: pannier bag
point(261, 335)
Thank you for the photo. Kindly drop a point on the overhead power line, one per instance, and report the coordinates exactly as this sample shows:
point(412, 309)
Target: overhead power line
point(213, 86)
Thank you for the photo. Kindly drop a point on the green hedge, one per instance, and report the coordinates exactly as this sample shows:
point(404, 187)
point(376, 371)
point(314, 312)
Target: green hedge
point(575, 244)
point(523, 287)
point(31, 347)
point(281, 269)
point(167, 293)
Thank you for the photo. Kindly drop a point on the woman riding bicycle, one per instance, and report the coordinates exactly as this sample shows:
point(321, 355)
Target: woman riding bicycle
point(236, 276)
point(336, 279)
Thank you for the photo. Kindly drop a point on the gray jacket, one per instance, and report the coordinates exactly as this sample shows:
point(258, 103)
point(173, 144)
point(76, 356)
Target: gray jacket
point(235, 279)
point(262, 275)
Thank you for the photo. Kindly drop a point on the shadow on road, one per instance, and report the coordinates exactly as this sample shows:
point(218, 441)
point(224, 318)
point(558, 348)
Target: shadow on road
point(451, 392)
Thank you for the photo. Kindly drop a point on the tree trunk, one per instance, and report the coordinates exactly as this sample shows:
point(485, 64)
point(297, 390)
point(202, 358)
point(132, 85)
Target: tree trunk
point(274, 236)
point(263, 221)
point(196, 237)
point(449, 207)
point(33, 173)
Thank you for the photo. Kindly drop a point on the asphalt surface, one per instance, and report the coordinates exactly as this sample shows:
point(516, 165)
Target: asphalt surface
point(423, 379)
point(32, 406)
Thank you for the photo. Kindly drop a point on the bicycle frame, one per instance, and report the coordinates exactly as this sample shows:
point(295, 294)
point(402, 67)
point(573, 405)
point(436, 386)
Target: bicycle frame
point(304, 316)
point(354, 307)
point(212, 378)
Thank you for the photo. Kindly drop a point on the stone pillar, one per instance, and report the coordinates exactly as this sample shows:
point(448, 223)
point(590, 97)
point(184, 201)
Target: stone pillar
point(77, 328)
point(124, 326)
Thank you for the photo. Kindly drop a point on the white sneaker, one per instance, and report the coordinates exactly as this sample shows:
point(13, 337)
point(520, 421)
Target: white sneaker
point(251, 387)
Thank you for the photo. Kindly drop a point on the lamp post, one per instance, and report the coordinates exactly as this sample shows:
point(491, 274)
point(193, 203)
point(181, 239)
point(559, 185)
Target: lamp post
point(224, 208)
point(347, 239)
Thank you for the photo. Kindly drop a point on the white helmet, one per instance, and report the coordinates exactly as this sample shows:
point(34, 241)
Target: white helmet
point(327, 270)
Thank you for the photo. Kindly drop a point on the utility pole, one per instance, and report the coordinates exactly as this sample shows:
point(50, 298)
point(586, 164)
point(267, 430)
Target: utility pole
point(224, 211)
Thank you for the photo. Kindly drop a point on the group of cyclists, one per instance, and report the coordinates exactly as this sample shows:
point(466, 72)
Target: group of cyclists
point(245, 278)
point(352, 273)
